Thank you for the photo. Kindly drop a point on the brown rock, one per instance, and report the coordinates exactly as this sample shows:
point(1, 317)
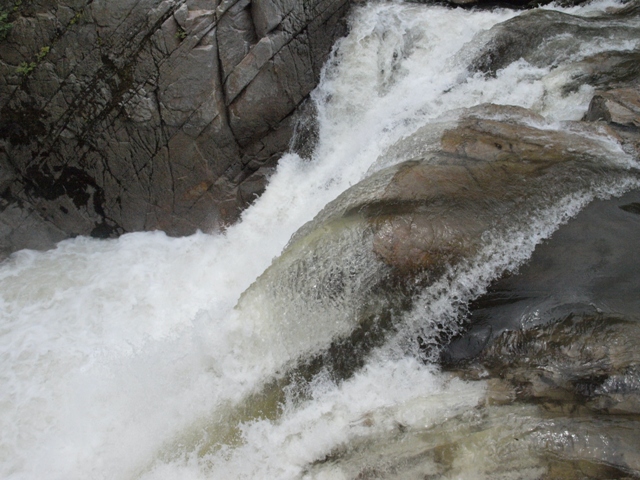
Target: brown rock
point(362, 259)
point(620, 106)
point(493, 133)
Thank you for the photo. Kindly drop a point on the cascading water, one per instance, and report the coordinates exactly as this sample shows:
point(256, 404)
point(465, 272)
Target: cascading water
point(129, 359)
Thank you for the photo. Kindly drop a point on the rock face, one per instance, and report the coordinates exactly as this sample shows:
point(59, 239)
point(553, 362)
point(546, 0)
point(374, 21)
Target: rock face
point(562, 337)
point(120, 116)
point(556, 347)
point(347, 278)
point(620, 106)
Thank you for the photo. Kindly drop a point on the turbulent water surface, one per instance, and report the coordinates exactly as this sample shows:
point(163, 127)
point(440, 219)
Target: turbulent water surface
point(128, 358)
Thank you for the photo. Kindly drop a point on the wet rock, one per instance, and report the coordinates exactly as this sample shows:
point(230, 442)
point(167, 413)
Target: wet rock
point(584, 268)
point(254, 186)
point(564, 334)
point(599, 448)
point(402, 228)
point(493, 132)
point(494, 150)
point(610, 69)
point(124, 116)
point(546, 38)
point(588, 360)
point(631, 208)
point(620, 109)
point(620, 106)
point(509, 441)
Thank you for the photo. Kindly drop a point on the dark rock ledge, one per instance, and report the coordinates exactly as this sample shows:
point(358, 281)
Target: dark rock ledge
point(129, 115)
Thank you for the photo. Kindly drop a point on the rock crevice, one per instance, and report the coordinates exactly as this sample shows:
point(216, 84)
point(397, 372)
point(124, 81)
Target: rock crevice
point(162, 107)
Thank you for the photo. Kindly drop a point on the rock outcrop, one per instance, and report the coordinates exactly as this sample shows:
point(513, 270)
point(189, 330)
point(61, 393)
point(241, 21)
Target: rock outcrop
point(541, 38)
point(560, 338)
point(620, 106)
point(353, 271)
point(119, 116)
point(502, 3)
point(556, 347)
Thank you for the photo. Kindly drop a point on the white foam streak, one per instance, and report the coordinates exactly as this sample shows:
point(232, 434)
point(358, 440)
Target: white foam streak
point(377, 400)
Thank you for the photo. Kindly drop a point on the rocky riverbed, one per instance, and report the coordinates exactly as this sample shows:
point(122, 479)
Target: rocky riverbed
point(461, 301)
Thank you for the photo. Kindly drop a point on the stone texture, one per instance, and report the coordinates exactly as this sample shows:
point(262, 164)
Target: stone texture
point(355, 269)
point(564, 331)
point(498, 157)
point(590, 359)
point(620, 106)
point(585, 267)
point(547, 38)
point(495, 132)
point(142, 115)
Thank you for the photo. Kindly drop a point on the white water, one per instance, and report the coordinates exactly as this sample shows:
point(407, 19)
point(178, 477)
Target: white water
point(118, 356)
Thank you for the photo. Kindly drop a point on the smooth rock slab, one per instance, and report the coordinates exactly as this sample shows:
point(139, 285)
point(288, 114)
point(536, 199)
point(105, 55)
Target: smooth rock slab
point(358, 265)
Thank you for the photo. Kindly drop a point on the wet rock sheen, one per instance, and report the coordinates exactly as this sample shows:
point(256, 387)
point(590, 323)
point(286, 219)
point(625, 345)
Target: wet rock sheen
point(119, 116)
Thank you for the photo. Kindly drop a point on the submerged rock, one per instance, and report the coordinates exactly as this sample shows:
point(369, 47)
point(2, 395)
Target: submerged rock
point(511, 441)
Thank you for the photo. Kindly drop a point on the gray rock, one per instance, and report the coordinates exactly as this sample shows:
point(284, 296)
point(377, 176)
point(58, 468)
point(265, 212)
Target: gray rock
point(142, 115)
point(398, 231)
point(620, 106)
point(509, 441)
point(583, 268)
point(547, 38)
point(565, 330)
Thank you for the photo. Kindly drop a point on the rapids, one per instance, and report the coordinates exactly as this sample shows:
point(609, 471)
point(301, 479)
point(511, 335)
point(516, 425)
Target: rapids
point(141, 358)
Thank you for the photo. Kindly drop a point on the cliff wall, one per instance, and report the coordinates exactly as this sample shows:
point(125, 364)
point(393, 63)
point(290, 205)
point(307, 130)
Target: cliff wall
point(130, 115)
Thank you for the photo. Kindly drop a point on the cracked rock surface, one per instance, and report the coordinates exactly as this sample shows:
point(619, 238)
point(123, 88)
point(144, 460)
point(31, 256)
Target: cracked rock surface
point(129, 115)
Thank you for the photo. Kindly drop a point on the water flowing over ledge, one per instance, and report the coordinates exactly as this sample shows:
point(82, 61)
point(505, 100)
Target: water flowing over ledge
point(211, 356)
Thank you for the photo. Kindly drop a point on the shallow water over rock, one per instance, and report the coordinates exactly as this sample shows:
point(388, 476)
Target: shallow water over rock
point(315, 355)
point(586, 268)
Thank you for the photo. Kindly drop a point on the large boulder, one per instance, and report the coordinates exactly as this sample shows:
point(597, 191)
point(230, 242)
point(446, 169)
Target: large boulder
point(584, 269)
point(619, 107)
point(556, 348)
point(347, 277)
point(129, 115)
point(559, 340)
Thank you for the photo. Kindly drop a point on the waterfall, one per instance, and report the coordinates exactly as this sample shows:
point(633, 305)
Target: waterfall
point(133, 358)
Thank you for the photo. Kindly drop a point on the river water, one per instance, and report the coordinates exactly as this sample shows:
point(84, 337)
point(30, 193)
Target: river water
point(127, 359)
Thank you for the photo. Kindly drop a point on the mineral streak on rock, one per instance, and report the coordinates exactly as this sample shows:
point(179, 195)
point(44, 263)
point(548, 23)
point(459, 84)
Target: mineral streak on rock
point(125, 115)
